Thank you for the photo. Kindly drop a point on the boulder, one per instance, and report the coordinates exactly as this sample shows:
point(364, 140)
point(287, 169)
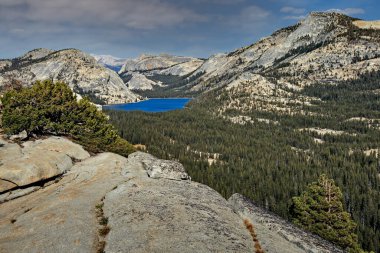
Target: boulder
point(60, 145)
point(21, 136)
point(36, 161)
point(157, 168)
point(33, 166)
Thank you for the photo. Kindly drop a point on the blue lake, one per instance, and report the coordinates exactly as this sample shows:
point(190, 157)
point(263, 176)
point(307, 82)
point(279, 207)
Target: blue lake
point(152, 105)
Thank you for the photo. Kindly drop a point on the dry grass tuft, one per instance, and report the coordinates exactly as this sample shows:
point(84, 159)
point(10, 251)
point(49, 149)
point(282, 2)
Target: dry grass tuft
point(251, 230)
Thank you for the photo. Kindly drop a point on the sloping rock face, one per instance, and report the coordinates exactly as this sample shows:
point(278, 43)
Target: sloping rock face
point(109, 203)
point(138, 72)
point(81, 71)
point(109, 61)
point(61, 217)
point(139, 81)
point(155, 62)
point(164, 215)
point(277, 235)
point(139, 213)
point(36, 161)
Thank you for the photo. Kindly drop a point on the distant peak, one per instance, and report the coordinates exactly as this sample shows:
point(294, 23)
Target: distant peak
point(143, 56)
point(330, 14)
point(40, 50)
point(37, 53)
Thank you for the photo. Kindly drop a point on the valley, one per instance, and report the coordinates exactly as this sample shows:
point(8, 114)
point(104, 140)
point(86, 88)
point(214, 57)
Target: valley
point(263, 121)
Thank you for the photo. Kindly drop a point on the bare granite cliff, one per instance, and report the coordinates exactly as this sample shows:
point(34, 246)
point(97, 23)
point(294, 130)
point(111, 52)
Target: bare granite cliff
point(109, 203)
point(78, 69)
point(141, 73)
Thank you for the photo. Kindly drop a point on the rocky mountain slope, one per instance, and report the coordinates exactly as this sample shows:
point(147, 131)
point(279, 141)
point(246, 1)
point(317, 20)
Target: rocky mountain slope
point(323, 49)
point(69, 201)
point(110, 61)
point(81, 71)
point(142, 73)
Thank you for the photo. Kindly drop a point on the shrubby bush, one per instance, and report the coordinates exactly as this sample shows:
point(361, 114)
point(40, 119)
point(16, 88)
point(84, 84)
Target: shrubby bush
point(52, 108)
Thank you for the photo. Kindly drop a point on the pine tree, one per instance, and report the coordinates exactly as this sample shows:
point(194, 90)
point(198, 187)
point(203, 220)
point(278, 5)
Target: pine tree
point(52, 108)
point(320, 210)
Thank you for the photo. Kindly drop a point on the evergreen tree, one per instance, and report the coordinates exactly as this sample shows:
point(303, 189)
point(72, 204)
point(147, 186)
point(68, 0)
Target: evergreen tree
point(52, 108)
point(319, 209)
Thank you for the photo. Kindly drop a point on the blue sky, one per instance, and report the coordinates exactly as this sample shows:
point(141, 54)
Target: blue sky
point(128, 28)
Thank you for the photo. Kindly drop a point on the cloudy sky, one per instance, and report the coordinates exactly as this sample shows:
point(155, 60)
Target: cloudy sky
point(127, 28)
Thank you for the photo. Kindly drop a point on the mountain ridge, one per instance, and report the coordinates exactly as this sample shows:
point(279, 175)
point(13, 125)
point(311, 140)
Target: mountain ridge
point(322, 49)
point(318, 42)
point(143, 72)
point(80, 70)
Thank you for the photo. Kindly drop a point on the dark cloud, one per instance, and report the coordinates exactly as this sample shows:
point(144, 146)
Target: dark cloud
point(142, 14)
point(220, 1)
point(127, 28)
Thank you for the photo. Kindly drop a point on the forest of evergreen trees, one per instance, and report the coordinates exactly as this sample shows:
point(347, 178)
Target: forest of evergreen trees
point(272, 163)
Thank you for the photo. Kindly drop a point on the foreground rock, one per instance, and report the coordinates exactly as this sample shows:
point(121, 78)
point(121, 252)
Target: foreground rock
point(21, 136)
point(277, 235)
point(61, 217)
point(170, 215)
point(142, 214)
point(108, 203)
point(36, 161)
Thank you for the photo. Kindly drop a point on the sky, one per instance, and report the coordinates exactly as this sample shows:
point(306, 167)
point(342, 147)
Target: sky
point(128, 28)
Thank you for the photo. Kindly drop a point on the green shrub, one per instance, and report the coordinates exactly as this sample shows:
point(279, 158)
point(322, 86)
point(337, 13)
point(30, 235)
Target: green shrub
point(52, 108)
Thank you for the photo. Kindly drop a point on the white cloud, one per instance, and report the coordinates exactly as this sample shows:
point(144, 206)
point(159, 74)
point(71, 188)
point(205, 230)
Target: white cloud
point(348, 11)
point(295, 17)
point(254, 13)
point(292, 10)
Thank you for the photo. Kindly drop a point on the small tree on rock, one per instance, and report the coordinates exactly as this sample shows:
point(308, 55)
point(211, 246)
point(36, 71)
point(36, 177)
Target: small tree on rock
point(320, 210)
point(52, 108)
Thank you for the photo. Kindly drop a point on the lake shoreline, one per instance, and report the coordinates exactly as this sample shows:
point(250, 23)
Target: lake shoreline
point(151, 105)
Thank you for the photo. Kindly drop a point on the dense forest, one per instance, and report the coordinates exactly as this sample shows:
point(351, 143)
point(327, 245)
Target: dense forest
point(273, 162)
